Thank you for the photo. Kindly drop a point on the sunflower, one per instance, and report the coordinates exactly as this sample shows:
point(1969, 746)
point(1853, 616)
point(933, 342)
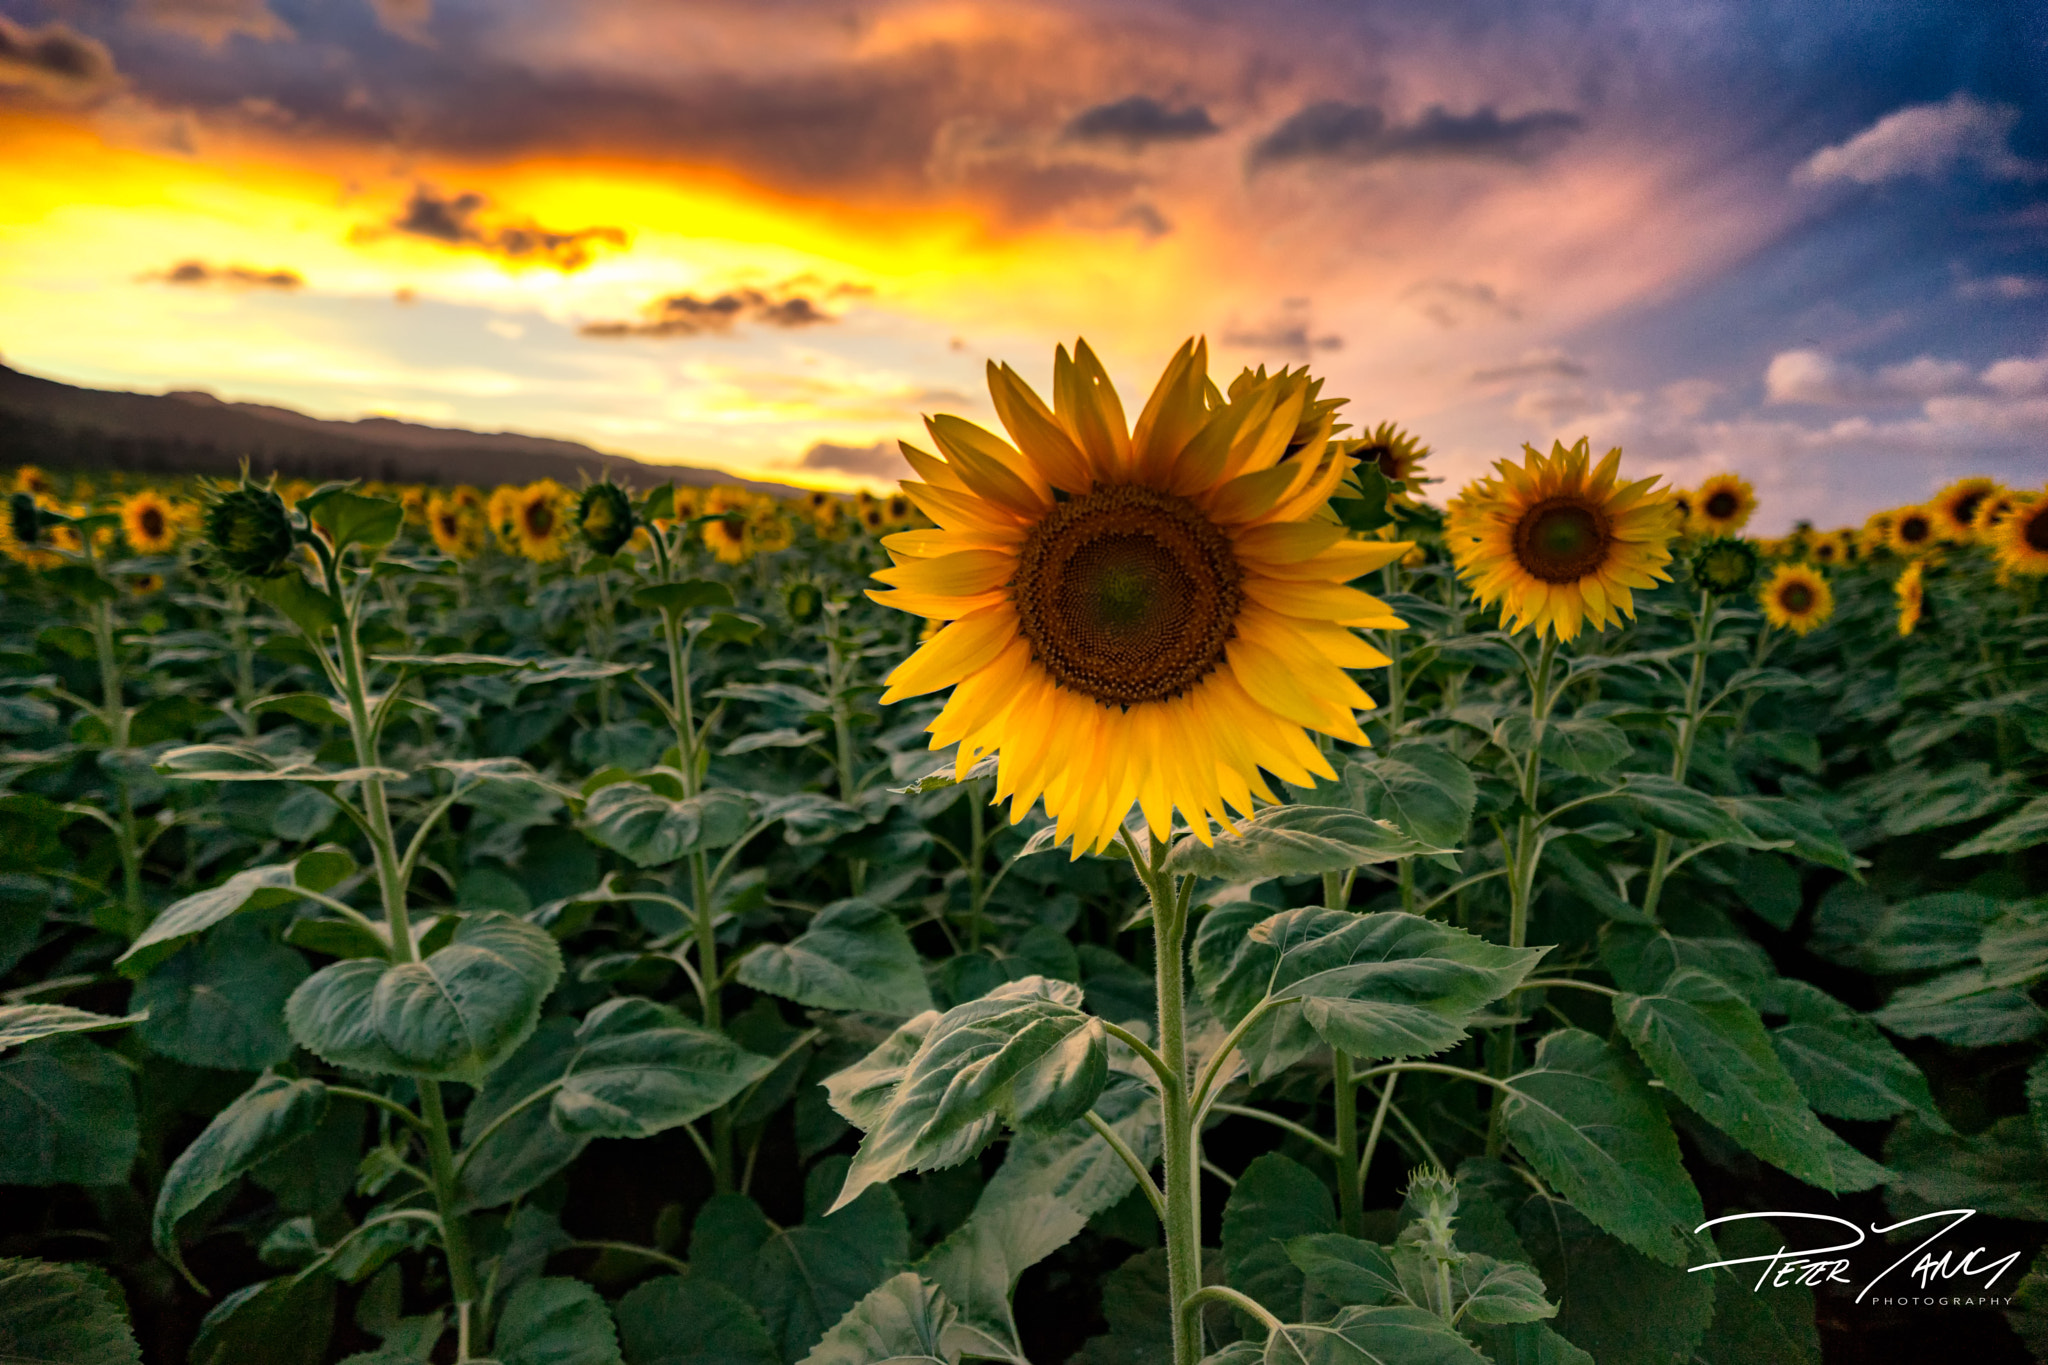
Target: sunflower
point(2021, 540)
point(1557, 542)
point(501, 511)
point(143, 584)
point(1726, 566)
point(770, 528)
point(150, 522)
point(871, 512)
point(1876, 535)
point(414, 499)
point(1797, 598)
point(1913, 531)
point(1723, 505)
point(1955, 507)
point(1146, 616)
point(35, 482)
point(543, 519)
point(1397, 455)
point(899, 511)
point(457, 524)
point(730, 538)
point(823, 509)
point(23, 536)
point(1681, 503)
point(1991, 514)
point(1830, 548)
point(1912, 595)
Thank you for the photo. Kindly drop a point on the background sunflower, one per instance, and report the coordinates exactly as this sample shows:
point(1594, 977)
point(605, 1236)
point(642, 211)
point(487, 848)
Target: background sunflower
point(1797, 598)
point(1911, 591)
point(1723, 505)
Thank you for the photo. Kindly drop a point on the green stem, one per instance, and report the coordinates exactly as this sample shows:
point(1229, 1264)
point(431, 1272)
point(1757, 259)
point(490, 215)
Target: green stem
point(454, 1227)
point(1350, 1203)
point(977, 840)
point(114, 715)
point(1522, 860)
point(1188, 1319)
point(1681, 760)
point(1379, 1123)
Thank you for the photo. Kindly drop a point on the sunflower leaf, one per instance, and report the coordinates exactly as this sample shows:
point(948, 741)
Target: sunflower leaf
point(1291, 841)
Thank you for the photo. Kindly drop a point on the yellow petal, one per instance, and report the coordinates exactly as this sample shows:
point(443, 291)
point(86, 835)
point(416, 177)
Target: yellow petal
point(955, 575)
point(967, 644)
point(1037, 432)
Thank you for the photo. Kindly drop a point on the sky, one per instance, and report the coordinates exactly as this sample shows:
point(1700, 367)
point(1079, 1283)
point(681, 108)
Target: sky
point(1807, 243)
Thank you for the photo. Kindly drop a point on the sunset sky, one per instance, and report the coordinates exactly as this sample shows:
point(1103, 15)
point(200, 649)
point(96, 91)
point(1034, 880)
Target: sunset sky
point(1806, 242)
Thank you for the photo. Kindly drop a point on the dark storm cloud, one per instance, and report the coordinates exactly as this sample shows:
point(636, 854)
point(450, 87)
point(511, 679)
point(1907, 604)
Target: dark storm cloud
point(1140, 120)
point(690, 315)
point(457, 220)
point(1330, 130)
point(882, 460)
point(53, 58)
point(199, 273)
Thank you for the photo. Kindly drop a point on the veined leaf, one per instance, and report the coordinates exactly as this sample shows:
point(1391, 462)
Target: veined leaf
point(805, 1278)
point(934, 1092)
point(25, 1023)
point(62, 1313)
point(1421, 788)
point(1289, 841)
point(641, 1068)
point(1707, 1044)
point(903, 1321)
point(267, 1118)
point(1966, 1008)
point(258, 888)
point(454, 1015)
point(1840, 1060)
point(1391, 1335)
point(2024, 828)
point(1275, 1202)
point(854, 956)
point(1781, 819)
point(1666, 804)
point(555, 1321)
point(68, 1111)
point(691, 1320)
point(220, 1002)
point(653, 829)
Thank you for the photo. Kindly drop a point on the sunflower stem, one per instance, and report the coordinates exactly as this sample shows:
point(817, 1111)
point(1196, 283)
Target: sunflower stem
point(1681, 760)
point(1350, 1203)
point(1522, 859)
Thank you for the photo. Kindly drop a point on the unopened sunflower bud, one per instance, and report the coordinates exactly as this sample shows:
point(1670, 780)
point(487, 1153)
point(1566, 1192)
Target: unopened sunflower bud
point(1727, 566)
point(249, 530)
point(604, 518)
point(803, 601)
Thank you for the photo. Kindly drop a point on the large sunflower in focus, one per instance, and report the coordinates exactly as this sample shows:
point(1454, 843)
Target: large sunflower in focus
point(1147, 615)
point(1558, 542)
point(2021, 539)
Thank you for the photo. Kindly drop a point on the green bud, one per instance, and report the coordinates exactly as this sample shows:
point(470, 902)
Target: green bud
point(803, 601)
point(1728, 566)
point(249, 530)
point(604, 518)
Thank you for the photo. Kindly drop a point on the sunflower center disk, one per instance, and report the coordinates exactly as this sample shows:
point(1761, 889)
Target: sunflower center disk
point(1797, 598)
point(1128, 595)
point(1561, 540)
point(2035, 532)
point(1721, 506)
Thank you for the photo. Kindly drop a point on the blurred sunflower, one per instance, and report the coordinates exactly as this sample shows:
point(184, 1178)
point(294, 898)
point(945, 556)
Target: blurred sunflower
point(457, 525)
point(769, 526)
point(35, 482)
point(1723, 505)
point(1830, 548)
point(1797, 598)
point(1993, 512)
point(1955, 507)
point(23, 536)
point(150, 522)
point(1912, 595)
point(2022, 538)
point(1912, 531)
point(1681, 502)
point(1397, 455)
point(871, 513)
point(1876, 535)
point(143, 584)
point(542, 521)
point(604, 517)
point(413, 499)
point(1727, 566)
point(1557, 542)
point(500, 512)
point(899, 511)
point(730, 538)
point(823, 509)
point(1146, 616)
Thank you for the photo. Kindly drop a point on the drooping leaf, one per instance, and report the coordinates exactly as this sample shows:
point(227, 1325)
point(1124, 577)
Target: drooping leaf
point(1421, 788)
point(854, 956)
point(1345, 1272)
point(67, 1109)
point(1707, 1044)
point(1938, 930)
point(267, 1118)
point(454, 1015)
point(640, 1068)
point(1587, 1121)
point(2024, 828)
point(902, 1321)
point(934, 1092)
point(653, 829)
point(554, 1321)
point(1275, 1201)
point(1967, 1008)
point(2002, 1172)
point(1666, 804)
point(259, 888)
point(1384, 985)
point(25, 1023)
point(685, 596)
point(351, 518)
point(220, 1002)
point(54, 1313)
point(1291, 841)
point(691, 1320)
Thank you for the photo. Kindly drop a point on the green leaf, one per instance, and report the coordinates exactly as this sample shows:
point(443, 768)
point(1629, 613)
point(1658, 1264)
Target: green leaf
point(1392, 1335)
point(1290, 841)
point(62, 1315)
point(807, 1277)
point(25, 1023)
point(1840, 1060)
point(811, 817)
point(902, 1321)
point(259, 888)
point(68, 1110)
point(552, 1321)
point(1615, 1303)
point(2001, 1172)
point(1588, 1123)
point(304, 605)
point(1965, 1008)
point(1344, 1271)
point(264, 1120)
point(1580, 745)
point(677, 598)
point(1384, 985)
point(2037, 1097)
point(1707, 1044)
point(654, 830)
point(1497, 1292)
point(640, 1068)
point(529, 1147)
point(933, 1093)
point(1421, 788)
point(286, 1321)
point(220, 1002)
point(314, 708)
point(453, 1016)
point(1525, 1343)
point(854, 956)
point(2024, 828)
point(1773, 1323)
point(1666, 804)
point(1643, 959)
point(690, 1320)
point(1784, 820)
point(352, 518)
point(1275, 1201)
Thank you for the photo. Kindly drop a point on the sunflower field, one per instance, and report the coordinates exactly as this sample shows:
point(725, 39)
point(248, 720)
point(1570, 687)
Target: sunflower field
point(1161, 890)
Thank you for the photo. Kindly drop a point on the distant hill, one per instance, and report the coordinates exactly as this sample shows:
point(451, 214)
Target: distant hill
point(62, 426)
